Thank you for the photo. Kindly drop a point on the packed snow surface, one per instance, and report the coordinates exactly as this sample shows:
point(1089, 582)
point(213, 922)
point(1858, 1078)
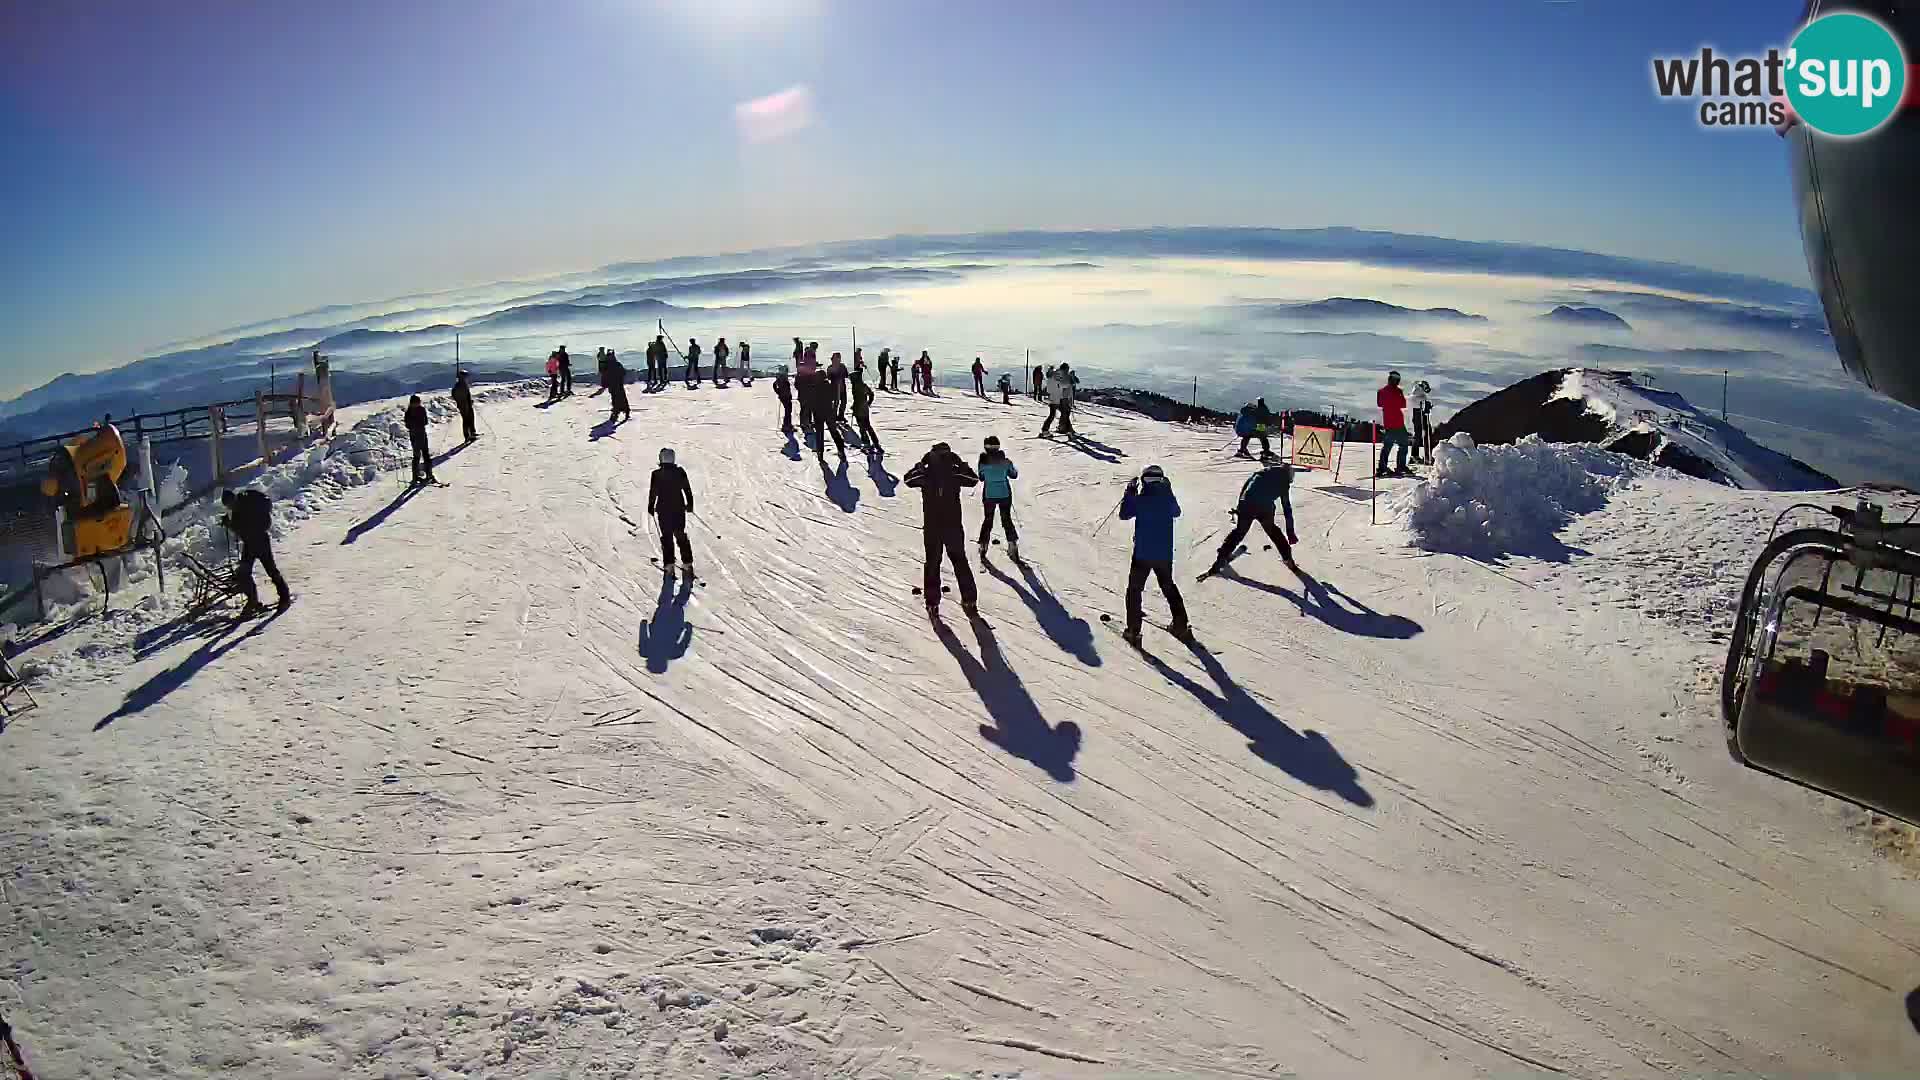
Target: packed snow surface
point(497, 799)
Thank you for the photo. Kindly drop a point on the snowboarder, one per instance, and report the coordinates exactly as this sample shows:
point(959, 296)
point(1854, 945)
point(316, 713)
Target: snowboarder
point(940, 475)
point(862, 409)
point(670, 500)
point(693, 364)
point(1422, 409)
point(616, 376)
point(463, 400)
point(785, 394)
point(979, 378)
point(720, 354)
point(997, 473)
point(1254, 421)
point(1258, 497)
point(250, 517)
point(566, 372)
point(1393, 424)
point(416, 421)
point(816, 395)
point(1039, 383)
point(1006, 389)
point(746, 364)
point(837, 374)
point(1149, 503)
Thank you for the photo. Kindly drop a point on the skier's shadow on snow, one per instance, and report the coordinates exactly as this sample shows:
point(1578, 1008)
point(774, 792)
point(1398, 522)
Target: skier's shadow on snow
point(1913, 1009)
point(1018, 728)
point(839, 488)
point(884, 482)
point(443, 455)
point(1318, 601)
point(155, 689)
point(382, 514)
point(1307, 757)
point(603, 429)
point(667, 636)
point(792, 449)
point(1098, 450)
point(1073, 634)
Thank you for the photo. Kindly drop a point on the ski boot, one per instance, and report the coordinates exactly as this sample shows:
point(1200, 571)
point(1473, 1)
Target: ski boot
point(1131, 635)
point(1183, 631)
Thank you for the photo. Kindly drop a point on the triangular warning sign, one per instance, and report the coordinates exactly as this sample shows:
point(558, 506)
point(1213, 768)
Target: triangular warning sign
point(1312, 448)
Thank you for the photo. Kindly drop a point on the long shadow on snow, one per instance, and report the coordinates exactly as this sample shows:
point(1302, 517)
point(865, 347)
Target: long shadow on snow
point(1018, 728)
point(381, 514)
point(1319, 602)
point(1307, 757)
point(667, 636)
point(1095, 449)
point(603, 429)
point(884, 482)
point(155, 689)
point(792, 449)
point(839, 488)
point(447, 453)
point(1913, 1009)
point(1073, 634)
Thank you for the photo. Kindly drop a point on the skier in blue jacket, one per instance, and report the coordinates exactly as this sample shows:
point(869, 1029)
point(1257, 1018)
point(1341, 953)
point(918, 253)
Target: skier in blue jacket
point(1150, 505)
point(1258, 497)
point(996, 472)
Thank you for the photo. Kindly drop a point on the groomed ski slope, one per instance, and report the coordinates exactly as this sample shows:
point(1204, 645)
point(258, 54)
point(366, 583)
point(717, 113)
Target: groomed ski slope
point(494, 800)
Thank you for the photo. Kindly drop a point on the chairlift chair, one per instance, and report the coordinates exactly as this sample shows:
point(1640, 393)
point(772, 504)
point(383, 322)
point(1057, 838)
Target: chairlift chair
point(1822, 680)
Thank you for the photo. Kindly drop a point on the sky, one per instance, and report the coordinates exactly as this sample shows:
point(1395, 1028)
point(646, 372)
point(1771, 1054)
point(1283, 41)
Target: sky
point(177, 168)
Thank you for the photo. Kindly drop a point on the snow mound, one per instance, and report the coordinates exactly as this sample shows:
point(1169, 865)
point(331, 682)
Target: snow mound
point(1490, 501)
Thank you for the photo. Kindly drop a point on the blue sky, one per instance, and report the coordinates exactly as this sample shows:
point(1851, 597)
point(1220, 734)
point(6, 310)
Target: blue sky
point(177, 168)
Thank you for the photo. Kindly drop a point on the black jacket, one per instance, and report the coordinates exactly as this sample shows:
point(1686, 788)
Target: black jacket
point(251, 516)
point(668, 493)
point(416, 421)
point(780, 388)
point(462, 394)
point(817, 392)
point(940, 475)
point(862, 397)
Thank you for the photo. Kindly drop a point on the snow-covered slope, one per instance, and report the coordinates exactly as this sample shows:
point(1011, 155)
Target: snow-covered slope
point(495, 800)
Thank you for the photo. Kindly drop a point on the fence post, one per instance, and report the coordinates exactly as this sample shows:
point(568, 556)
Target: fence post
point(260, 424)
point(214, 423)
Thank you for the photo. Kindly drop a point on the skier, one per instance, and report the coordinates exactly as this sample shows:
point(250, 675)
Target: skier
point(997, 473)
point(837, 373)
point(746, 364)
point(1059, 401)
point(566, 372)
point(859, 363)
point(463, 400)
point(1393, 424)
point(720, 354)
point(670, 500)
point(416, 421)
point(616, 376)
point(862, 409)
point(913, 377)
point(785, 394)
point(1039, 383)
point(821, 410)
point(1149, 503)
point(1254, 422)
point(1006, 389)
point(809, 360)
point(693, 364)
point(657, 362)
point(979, 378)
point(600, 366)
point(940, 475)
point(885, 364)
point(926, 372)
point(250, 517)
point(553, 375)
point(1257, 499)
point(1422, 409)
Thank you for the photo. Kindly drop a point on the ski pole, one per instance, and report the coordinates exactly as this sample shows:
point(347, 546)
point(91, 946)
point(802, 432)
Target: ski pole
point(13, 1050)
point(1109, 517)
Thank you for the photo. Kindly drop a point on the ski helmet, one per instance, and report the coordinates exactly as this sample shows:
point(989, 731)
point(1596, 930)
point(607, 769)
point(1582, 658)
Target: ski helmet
point(666, 455)
point(1424, 388)
point(942, 448)
point(992, 442)
point(1153, 474)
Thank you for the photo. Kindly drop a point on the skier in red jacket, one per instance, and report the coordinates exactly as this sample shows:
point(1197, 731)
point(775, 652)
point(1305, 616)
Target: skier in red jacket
point(1393, 424)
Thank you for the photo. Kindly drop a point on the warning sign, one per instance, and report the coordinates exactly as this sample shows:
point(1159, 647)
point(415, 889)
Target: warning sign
point(1313, 447)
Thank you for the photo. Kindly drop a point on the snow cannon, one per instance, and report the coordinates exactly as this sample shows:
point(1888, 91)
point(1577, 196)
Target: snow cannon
point(85, 476)
point(1860, 224)
point(1822, 679)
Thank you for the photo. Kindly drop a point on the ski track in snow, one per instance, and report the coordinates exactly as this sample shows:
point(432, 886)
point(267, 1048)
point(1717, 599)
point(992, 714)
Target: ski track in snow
point(496, 799)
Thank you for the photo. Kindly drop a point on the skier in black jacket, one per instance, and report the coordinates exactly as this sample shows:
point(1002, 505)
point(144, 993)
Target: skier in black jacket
point(862, 409)
point(785, 393)
point(817, 392)
point(693, 363)
point(416, 421)
point(670, 500)
point(566, 372)
point(940, 475)
point(616, 375)
point(250, 517)
point(463, 400)
point(1258, 497)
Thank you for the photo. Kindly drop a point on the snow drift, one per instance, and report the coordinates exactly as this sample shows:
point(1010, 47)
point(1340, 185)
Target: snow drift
point(1493, 501)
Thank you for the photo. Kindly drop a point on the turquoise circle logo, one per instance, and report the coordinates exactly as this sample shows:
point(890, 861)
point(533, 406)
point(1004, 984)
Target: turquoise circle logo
point(1847, 74)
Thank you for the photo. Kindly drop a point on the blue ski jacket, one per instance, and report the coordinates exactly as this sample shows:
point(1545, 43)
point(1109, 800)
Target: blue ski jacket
point(996, 471)
point(1152, 510)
